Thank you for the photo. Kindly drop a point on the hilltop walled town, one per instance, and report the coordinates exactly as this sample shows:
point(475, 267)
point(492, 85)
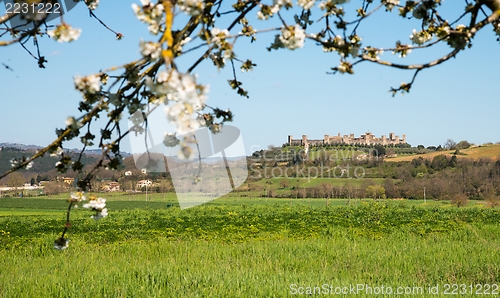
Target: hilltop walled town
point(365, 139)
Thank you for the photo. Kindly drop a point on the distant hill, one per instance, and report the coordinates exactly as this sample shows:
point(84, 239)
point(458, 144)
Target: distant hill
point(476, 152)
point(36, 147)
point(20, 146)
point(97, 152)
point(41, 165)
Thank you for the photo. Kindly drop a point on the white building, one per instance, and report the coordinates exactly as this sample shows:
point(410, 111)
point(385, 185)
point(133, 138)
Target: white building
point(144, 183)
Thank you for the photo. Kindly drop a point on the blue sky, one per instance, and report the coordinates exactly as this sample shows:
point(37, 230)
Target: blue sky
point(290, 92)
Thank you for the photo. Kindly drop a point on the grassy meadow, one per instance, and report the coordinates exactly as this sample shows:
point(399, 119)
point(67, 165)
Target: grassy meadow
point(242, 247)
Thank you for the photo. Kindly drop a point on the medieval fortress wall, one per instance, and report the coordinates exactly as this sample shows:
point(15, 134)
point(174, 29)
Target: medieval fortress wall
point(366, 139)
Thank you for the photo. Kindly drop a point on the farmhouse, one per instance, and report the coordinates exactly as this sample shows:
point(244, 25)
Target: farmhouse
point(144, 183)
point(68, 181)
point(111, 186)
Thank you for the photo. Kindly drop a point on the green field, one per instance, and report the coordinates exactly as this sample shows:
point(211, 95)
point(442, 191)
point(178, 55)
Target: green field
point(57, 205)
point(311, 182)
point(241, 247)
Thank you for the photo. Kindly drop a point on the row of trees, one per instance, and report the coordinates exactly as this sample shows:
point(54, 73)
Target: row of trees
point(442, 177)
point(448, 145)
point(367, 189)
point(431, 189)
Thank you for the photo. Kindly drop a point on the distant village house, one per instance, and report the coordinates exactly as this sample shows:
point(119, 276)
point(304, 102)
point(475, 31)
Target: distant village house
point(66, 180)
point(111, 186)
point(144, 183)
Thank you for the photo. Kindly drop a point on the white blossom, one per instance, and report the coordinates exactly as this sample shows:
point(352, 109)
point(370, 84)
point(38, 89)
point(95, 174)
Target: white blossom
point(345, 67)
point(191, 7)
point(216, 128)
point(324, 4)
point(342, 68)
point(421, 37)
point(64, 33)
point(443, 31)
point(404, 53)
point(459, 40)
point(90, 84)
point(150, 49)
point(375, 53)
point(92, 4)
point(339, 41)
point(182, 43)
point(100, 214)
point(269, 11)
point(292, 37)
point(181, 115)
point(183, 98)
point(306, 4)
point(71, 122)
point(78, 196)
point(389, 4)
point(151, 14)
point(154, 28)
point(13, 163)
point(285, 3)
point(97, 204)
point(58, 152)
point(61, 243)
point(185, 41)
point(219, 36)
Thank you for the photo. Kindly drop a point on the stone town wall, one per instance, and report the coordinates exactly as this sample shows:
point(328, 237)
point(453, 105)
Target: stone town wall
point(365, 139)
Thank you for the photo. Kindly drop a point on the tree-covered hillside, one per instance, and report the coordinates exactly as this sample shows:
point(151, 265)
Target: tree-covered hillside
point(42, 165)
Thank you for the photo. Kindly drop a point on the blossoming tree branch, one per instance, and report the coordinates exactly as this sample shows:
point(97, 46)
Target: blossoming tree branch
point(155, 80)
